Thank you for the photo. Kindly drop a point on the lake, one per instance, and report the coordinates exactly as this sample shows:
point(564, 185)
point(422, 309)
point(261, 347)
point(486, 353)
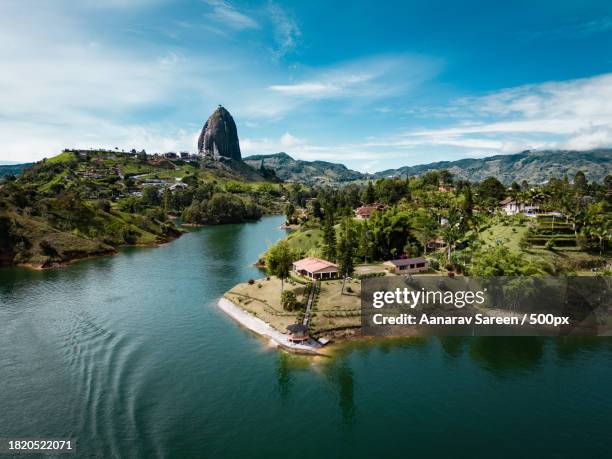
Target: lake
point(130, 356)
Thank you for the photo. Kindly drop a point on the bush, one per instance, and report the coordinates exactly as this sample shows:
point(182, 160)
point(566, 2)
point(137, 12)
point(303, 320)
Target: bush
point(251, 281)
point(434, 264)
point(550, 244)
point(289, 301)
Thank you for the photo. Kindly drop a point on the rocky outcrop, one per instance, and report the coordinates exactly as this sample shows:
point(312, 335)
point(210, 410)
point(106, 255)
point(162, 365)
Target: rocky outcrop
point(219, 136)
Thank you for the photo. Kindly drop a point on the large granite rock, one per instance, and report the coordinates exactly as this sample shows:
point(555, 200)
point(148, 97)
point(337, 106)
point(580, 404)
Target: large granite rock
point(219, 137)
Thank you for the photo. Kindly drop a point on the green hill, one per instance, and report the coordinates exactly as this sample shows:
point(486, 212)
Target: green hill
point(534, 166)
point(307, 172)
point(86, 203)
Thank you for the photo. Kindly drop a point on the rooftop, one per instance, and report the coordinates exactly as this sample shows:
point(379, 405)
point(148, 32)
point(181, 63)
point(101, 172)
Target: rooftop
point(407, 261)
point(313, 264)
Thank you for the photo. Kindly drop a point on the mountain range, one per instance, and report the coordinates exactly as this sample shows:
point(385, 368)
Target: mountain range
point(12, 168)
point(533, 166)
point(308, 172)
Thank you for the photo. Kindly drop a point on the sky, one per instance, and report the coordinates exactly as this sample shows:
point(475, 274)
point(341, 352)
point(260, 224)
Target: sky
point(373, 85)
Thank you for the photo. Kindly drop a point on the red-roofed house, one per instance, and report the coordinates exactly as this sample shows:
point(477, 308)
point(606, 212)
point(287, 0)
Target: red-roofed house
point(365, 212)
point(315, 268)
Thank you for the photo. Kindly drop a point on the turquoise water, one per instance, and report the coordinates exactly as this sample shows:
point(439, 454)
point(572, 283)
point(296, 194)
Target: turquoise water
point(130, 356)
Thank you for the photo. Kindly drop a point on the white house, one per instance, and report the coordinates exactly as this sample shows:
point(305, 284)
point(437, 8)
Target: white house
point(512, 207)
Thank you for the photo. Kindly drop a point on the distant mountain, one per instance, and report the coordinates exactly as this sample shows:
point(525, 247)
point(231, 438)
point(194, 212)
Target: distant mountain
point(12, 169)
point(533, 166)
point(308, 172)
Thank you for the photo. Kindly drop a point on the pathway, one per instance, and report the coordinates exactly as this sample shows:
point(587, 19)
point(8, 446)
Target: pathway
point(313, 286)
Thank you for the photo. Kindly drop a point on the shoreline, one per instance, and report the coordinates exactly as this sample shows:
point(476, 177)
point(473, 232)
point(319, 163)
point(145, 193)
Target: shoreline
point(263, 329)
point(109, 253)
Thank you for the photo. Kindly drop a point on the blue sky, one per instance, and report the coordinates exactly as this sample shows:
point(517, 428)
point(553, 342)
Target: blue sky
point(373, 85)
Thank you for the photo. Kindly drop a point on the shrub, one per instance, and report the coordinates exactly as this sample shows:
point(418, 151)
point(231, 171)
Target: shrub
point(251, 281)
point(434, 264)
point(550, 244)
point(288, 301)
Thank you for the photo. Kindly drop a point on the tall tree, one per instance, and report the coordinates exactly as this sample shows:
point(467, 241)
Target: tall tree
point(452, 231)
point(425, 224)
point(468, 201)
point(279, 261)
point(289, 212)
point(492, 188)
point(580, 182)
point(329, 237)
point(346, 249)
point(369, 194)
point(365, 242)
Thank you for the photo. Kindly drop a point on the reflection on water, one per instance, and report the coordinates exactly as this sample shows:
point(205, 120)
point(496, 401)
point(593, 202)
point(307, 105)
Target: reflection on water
point(130, 355)
point(506, 353)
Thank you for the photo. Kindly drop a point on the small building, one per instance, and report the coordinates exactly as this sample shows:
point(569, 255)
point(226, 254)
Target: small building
point(315, 268)
point(437, 243)
point(365, 212)
point(511, 206)
point(406, 265)
point(298, 333)
point(170, 155)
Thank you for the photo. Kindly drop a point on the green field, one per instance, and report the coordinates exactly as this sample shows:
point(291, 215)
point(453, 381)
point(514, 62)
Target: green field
point(307, 241)
point(510, 235)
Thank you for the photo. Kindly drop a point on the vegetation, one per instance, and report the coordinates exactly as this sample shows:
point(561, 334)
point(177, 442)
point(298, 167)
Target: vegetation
point(279, 260)
point(289, 301)
point(79, 204)
point(458, 225)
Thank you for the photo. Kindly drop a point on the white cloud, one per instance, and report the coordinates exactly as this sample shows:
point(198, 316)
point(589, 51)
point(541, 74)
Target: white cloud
point(73, 88)
point(313, 89)
point(568, 114)
point(226, 14)
point(288, 141)
point(376, 77)
point(286, 29)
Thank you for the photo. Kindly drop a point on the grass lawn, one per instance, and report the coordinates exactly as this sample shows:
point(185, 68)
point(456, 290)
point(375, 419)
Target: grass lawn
point(336, 310)
point(509, 235)
point(331, 308)
point(309, 241)
point(264, 301)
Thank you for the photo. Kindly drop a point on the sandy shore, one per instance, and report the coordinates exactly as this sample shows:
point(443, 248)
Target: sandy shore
point(262, 328)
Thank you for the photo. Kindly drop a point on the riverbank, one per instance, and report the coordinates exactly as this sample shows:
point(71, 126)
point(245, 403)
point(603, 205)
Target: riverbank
point(76, 256)
point(264, 329)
